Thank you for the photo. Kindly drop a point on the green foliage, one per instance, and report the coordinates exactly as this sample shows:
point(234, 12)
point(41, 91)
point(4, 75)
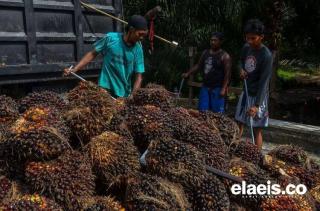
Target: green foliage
point(286, 75)
point(191, 22)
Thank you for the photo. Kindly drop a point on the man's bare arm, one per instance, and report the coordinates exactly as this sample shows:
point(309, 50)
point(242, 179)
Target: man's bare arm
point(193, 69)
point(90, 56)
point(227, 70)
point(137, 82)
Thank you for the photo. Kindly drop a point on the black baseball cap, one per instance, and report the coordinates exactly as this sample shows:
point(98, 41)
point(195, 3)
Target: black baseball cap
point(138, 22)
point(218, 35)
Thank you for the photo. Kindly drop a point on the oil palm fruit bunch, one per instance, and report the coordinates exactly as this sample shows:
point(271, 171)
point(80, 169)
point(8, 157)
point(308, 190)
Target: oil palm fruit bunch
point(154, 86)
point(192, 131)
point(286, 202)
point(246, 151)
point(153, 95)
point(305, 174)
point(147, 123)
point(200, 116)
point(273, 165)
point(236, 206)
point(251, 174)
point(315, 192)
point(153, 193)
point(33, 202)
point(176, 161)
point(211, 195)
point(6, 187)
point(45, 143)
point(40, 133)
point(8, 110)
point(4, 133)
point(119, 124)
point(228, 128)
point(38, 117)
point(100, 203)
point(84, 124)
point(290, 154)
point(91, 109)
point(10, 166)
point(114, 157)
point(88, 94)
point(63, 179)
point(310, 178)
point(42, 99)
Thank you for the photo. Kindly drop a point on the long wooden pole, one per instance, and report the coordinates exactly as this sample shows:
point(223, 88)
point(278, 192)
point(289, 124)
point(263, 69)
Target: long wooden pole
point(173, 43)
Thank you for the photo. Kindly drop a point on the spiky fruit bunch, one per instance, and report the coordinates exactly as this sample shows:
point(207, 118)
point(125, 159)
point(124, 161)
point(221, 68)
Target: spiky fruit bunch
point(100, 204)
point(42, 144)
point(153, 193)
point(11, 167)
point(211, 195)
point(176, 161)
point(5, 188)
point(42, 99)
point(33, 202)
point(154, 95)
point(306, 175)
point(227, 127)
point(84, 124)
point(190, 130)
point(285, 202)
point(147, 123)
point(38, 117)
point(63, 179)
point(202, 117)
point(91, 109)
point(273, 165)
point(155, 86)
point(119, 124)
point(315, 193)
point(250, 173)
point(290, 154)
point(114, 157)
point(88, 94)
point(246, 151)
point(310, 178)
point(3, 135)
point(236, 206)
point(8, 110)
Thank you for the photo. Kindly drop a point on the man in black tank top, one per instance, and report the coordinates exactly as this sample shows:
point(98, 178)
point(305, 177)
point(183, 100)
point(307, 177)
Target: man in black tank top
point(215, 64)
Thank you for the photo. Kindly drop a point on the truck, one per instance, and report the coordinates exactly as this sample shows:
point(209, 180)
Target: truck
point(39, 38)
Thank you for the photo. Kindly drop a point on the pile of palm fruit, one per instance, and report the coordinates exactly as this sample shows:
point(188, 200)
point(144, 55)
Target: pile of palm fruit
point(83, 152)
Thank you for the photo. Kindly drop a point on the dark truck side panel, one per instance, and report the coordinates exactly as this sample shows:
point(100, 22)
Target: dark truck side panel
point(40, 37)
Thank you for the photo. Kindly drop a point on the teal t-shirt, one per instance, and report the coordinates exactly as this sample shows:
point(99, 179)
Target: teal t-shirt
point(119, 63)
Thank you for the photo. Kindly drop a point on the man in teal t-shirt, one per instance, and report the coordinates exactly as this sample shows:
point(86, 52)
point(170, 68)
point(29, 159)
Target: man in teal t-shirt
point(122, 58)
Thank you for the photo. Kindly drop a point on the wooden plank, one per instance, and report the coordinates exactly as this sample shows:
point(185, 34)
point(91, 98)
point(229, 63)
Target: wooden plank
point(12, 3)
point(13, 36)
point(78, 29)
point(117, 5)
point(11, 70)
point(31, 33)
point(52, 5)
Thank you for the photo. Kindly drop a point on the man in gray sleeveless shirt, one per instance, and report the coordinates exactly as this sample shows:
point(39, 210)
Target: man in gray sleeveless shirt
point(256, 68)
